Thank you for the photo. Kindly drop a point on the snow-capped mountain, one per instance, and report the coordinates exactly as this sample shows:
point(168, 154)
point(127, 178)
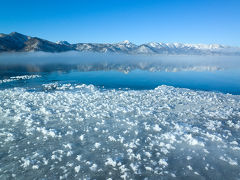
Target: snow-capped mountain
point(63, 43)
point(16, 42)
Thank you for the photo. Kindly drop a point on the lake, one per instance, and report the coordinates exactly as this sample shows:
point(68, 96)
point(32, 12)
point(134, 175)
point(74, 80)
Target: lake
point(99, 116)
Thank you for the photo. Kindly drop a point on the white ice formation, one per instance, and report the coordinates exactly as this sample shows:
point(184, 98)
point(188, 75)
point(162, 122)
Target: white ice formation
point(82, 132)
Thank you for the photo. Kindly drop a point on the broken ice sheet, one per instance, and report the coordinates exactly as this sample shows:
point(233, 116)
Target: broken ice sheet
point(81, 131)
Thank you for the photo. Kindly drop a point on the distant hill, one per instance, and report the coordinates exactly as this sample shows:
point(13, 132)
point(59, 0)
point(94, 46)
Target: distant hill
point(16, 42)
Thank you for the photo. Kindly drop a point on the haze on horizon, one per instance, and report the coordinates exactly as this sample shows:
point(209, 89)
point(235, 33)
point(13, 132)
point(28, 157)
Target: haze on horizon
point(139, 21)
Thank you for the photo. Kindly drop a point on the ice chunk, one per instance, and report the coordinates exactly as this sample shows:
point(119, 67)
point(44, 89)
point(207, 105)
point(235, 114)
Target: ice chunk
point(77, 169)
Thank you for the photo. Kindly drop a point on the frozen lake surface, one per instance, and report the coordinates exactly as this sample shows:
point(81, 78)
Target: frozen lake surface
point(114, 120)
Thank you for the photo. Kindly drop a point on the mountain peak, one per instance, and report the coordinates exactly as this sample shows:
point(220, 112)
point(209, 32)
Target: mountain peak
point(125, 42)
point(15, 33)
point(63, 43)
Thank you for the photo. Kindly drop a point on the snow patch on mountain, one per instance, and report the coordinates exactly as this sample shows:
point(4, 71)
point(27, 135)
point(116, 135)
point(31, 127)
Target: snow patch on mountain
point(63, 43)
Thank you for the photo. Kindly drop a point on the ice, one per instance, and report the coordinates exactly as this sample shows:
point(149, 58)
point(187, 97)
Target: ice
point(134, 168)
point(190, 167)
point(148, 154)
point(148, 168)
point(16, 78)
point(156, 128)
point(97, 145)
point(35, 167)
point(77, 169)
point(26, 162)
point(93, 167)
point(110, 162)
point(84, 132)
point(163, 162)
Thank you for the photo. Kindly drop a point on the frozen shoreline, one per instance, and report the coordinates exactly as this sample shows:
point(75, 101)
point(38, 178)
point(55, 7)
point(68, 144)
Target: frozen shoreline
point(81, 131)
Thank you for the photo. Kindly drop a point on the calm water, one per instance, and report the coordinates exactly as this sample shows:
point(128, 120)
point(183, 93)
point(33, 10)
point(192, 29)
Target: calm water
point(219, 74)
point(225, 81)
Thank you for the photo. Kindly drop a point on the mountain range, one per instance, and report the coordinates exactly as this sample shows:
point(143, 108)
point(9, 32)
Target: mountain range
point(16, 42)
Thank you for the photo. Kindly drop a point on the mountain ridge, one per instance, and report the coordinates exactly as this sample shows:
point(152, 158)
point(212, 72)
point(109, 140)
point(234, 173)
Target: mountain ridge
point(16, 42)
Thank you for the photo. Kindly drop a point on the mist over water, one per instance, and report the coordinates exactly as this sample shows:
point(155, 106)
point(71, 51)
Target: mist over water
point(146, 62)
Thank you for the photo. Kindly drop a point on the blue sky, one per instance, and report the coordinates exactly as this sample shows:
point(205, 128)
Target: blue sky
point(186, 21)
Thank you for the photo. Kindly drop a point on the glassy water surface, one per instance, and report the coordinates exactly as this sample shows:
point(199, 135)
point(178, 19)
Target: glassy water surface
point(225, 81)
point(218, 74)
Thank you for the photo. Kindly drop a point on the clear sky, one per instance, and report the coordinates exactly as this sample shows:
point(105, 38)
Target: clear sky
point(186, 21)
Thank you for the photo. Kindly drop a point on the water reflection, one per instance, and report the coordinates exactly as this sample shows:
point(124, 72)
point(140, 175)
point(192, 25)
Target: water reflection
point(209, 73)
